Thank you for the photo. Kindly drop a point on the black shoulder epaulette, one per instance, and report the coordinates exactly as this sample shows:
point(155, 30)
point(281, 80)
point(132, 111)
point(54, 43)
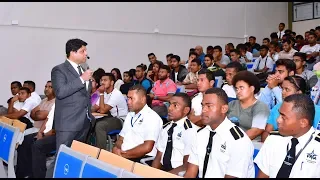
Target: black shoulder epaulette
point(195, 95)
point(187, 124)
point(276, 133)
point(236, 132)
point(165, 125)
point(201, 128)
point(317, 138)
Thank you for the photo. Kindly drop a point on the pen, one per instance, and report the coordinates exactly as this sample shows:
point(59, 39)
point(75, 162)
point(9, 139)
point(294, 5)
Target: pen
point(301, 165)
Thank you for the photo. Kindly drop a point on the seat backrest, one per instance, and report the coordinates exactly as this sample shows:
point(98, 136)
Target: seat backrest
point(231, 99)
point(69, 163)
point(85, 148)
point(20, 125)
point(250, 66)
point(115, 160)
point(94, 168)
point(218, 82)
point(127, 174)
point(6, 120)
point(150, 172)
point(8, 140)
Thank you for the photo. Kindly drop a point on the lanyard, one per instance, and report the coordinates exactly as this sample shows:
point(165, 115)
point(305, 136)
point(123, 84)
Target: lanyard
point(303, 146)
point(135, 120)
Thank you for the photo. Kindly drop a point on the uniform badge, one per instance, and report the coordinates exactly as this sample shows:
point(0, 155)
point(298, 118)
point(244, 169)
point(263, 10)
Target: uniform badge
point(311, 157)
point(179, 135)
point(140, 121)
point(223, 147)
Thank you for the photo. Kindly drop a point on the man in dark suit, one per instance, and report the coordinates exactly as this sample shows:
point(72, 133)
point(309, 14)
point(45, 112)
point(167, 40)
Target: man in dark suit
point(72, 87)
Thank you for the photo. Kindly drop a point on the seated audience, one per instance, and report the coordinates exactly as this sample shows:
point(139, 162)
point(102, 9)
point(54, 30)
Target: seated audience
point(299, 43)
point(192, 56)
point(152, 59)
point(220, 149)
point(219, 58)
point(266, 41)
point(288, 51)
point(178, 72)
point(32, 153)
point(141, 128)
point(280, 33)
point(264, 63)
point(200, 53)
point(208, 61)
point(250, 113)
point(312, 49)
point(153, 74)
point(245, 54)
point(168, 57)
point(32, 86)
point(162, 91)
point(118, 78)
point(174, 143)
point(210, 50)
point(273, 54)
point(293, 152)
point(231, 70)
point(15, 87)
point(24, 111)
point(205, 82)
point(235, 57)
point(228, 47)
point(311, 79)
point(291, 85)
point(190, 82)
point(113, 103)
point(271, 94)
point(128, 82)
point(255, 47)
point(141, 79)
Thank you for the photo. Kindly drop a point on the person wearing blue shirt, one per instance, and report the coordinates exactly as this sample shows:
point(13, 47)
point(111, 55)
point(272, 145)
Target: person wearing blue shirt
point(201, 54)
point(291, 85)
point(271, 94)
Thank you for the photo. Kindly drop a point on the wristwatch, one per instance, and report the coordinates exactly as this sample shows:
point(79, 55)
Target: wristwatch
point(101, 94)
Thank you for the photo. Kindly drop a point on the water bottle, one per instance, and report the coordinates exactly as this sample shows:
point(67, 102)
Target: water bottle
point(235, 120)
point(315, 94)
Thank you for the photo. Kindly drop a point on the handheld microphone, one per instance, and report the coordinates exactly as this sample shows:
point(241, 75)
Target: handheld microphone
point(88, 57)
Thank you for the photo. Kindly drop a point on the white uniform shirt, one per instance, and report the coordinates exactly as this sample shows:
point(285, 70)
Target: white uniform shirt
point(28, 105)
point(228, 156)
point(137, 128)
point(181, 140)
point(35, 96)
point(196, 105)
point(230, 91)
point(50, 119)
point(260, 63)
point(117, 101)
point(274, 150)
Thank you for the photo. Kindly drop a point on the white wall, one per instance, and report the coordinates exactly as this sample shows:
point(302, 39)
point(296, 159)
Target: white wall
point(301, 27)
point(121, 34)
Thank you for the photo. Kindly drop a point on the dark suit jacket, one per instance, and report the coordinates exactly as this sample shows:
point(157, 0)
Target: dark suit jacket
point(72, 99)
point(182, 73)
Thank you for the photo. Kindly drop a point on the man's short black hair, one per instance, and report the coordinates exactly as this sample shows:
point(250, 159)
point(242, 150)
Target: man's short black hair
point(169, 55)
point(275, 44)
point(193, 53)
point(282, 24)
point(252, 37)
point(30, 83)
point(287, 41)
point(17, 83)
point(218, 47)
point(302, 55)
point(209, 48)
point(176, 57)
point(274, 35)
point(230, 45)
point(151, 54)
point(25, 89)
point(303, 106)
point(74, 45)
point(139, 88)
point(264, 47)
point(288, 63)
point(249, 78)
point(186, 99)
point(166, 67)
point(220, 93)
point(313, 34)
point(196, 61)
point(266, 39)
point(236, 65)
point(235, 51)
point(111, 76)
point(299, 37)
point(209, 75)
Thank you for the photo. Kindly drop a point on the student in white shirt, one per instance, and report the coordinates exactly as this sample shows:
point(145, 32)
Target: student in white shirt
point(312, 50)
point(28, 105)
point(264, 63)
point(294, 151)
point(273, 54)
point(299, 58)
point(32, 86)
point(118, 78)
point(113, 103)
point(205, 81)
point(231, 70)
point(174, 144)
point(288, 51)
point(221, 149)
point(141, 128)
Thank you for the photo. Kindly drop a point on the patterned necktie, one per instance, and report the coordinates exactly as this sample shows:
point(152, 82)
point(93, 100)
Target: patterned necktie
point(168, 153)
point(79, 70)
point(289, 160)
point(206, 159)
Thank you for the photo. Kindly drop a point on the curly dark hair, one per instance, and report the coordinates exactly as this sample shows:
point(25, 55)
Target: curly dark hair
point(249, 78)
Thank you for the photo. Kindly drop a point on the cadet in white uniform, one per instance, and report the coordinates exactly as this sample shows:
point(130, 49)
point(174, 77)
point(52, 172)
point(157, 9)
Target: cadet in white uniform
point(294, 151)
point(204, 82)
point(221, 148)
point(175, 139)
point(141, 128)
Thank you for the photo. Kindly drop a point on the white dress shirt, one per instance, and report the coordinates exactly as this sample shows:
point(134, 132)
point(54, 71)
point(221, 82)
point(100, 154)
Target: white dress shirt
point(75, 66)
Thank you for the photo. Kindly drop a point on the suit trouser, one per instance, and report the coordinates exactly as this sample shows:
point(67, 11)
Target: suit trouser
point(66, 137)
point(32, 156)
point(103, 127)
